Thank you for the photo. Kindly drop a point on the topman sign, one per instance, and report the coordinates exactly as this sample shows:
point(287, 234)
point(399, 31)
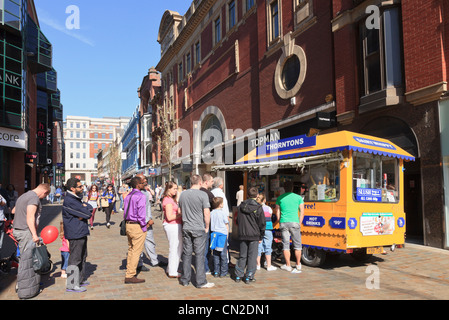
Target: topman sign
point(13, 138)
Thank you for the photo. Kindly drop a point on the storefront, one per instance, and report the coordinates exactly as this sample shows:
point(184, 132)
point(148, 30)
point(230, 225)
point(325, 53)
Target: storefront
point(444, 130)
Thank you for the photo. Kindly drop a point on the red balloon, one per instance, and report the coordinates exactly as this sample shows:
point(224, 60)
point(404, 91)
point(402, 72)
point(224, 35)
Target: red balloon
point(49, 234)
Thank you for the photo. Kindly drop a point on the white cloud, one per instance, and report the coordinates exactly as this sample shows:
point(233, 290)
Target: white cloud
point(45, 18)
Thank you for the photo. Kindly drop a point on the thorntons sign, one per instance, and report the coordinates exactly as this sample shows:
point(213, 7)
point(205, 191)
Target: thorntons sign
point(13, 138)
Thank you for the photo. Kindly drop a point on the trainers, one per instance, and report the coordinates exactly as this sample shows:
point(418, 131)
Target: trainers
point(207, 285)
point(296, 270)
point(271, 268)
point(286, 268)
point(237, 279)
point(249, 280)
point(76, 289)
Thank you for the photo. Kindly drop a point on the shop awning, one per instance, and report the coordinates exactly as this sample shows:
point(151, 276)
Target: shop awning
point(279, 164)
point(302, 148)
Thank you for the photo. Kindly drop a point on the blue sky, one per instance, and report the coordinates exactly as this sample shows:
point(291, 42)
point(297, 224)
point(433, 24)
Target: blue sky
point(101, 64)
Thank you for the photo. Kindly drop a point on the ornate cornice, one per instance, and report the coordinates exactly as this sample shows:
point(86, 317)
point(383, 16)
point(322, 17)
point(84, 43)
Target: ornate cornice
point(195, 20)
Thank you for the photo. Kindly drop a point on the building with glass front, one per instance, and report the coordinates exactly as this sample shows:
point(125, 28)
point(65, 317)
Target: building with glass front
point(30, 101)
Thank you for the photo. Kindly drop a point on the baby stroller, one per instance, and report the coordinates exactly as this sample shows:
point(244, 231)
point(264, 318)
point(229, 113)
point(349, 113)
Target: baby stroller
point(10, 253)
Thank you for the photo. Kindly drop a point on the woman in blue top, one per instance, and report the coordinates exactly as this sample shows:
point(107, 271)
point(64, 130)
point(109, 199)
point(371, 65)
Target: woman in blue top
point(109, 194)
point(265, 245)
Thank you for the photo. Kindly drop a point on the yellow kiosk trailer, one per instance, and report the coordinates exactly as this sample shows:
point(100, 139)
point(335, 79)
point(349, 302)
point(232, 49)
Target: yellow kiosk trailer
point(352, 185)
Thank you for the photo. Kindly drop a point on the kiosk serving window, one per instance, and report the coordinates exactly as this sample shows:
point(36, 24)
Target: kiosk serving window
point(375, 178)
point(315, 182)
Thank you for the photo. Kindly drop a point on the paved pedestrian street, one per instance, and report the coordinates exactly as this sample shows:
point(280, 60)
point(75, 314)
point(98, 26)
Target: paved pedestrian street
point(414, 272)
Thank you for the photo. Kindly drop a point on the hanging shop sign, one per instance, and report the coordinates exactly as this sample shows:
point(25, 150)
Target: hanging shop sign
point(13, 138)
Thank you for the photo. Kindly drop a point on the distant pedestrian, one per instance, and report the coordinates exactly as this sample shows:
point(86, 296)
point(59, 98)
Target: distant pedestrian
point(195, 208)
point(93, 198)
point(251, 226)
point(26, 221)
point(173, 228)
point(136, 228)
point(51, 196)
point(287, 207)
point(75, 215)
point(65, 251)
point(58, 194)
point(13, 195)
point(109, 195)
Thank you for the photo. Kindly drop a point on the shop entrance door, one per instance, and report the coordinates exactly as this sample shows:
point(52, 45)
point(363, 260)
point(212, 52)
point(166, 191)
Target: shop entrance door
point(413, 203)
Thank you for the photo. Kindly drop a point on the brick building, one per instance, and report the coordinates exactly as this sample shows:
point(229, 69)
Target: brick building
point(391, 82)
point(374, 67)
point(84, 137)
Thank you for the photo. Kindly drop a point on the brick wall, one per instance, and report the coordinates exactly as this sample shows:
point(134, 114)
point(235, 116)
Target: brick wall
point(424, 53)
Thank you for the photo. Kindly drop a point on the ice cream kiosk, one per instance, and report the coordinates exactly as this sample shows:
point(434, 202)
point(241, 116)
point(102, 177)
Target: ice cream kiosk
point(352, 185)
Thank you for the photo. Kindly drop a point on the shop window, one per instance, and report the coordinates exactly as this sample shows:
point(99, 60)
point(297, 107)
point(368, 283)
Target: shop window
point(315, 183)
point(375, 178)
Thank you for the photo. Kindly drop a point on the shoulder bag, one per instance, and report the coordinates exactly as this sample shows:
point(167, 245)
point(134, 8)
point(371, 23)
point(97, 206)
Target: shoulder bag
point(123, 223)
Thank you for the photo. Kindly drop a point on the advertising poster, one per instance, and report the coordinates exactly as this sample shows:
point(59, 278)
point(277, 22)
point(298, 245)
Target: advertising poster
point(375, 224)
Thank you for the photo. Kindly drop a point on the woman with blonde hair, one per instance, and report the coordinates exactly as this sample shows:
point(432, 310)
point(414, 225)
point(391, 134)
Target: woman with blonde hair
point(173, 228)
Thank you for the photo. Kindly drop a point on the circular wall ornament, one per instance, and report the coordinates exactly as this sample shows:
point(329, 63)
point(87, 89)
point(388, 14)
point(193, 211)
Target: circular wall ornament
point(291, 69)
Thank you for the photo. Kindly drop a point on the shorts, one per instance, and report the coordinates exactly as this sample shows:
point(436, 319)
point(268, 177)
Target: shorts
point(291, 230)
point(266, 245)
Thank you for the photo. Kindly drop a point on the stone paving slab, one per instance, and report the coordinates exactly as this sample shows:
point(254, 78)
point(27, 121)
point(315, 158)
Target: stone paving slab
point(412, 273)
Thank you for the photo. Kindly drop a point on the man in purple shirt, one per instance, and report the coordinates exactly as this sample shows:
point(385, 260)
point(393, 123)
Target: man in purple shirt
point(136, 228)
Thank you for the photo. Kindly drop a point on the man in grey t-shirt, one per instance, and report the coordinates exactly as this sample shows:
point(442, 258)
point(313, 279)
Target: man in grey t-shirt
point(195, 208)
point(26, 220)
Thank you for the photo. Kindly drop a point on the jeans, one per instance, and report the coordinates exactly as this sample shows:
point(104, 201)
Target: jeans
point(266, 245)
point(51, 197)
point(248, 259)
point(193, 242)
point(221, 261)
point(64, 260)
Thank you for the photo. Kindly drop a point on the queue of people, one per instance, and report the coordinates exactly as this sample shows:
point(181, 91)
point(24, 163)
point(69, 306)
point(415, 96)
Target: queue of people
point(195, 221)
